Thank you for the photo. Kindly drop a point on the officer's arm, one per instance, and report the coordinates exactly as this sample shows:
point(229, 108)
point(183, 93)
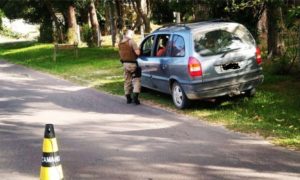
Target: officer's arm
point(135, 47)
point(137, 52)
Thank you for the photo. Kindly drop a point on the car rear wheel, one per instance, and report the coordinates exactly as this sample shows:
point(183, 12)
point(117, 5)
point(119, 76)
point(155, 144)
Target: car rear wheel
point(251, 92)
point(179, 98)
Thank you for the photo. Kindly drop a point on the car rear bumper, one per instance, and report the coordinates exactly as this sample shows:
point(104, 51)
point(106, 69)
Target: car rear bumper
point(219, 88)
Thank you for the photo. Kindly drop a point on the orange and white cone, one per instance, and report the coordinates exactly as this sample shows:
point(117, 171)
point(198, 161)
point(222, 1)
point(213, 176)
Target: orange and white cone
point(51, 168)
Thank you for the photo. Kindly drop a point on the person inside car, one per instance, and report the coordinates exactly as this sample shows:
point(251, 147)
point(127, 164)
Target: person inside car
point(163, 49)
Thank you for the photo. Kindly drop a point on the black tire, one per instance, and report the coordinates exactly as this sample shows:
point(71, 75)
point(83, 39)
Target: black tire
point(250, 93)
point(144, 89)
point(179, 98)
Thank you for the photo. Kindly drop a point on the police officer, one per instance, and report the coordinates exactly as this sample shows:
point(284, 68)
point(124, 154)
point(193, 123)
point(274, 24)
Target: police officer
point(129, 51)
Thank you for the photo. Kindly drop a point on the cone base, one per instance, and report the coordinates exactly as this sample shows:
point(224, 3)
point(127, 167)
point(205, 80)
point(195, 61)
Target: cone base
point(51, 173)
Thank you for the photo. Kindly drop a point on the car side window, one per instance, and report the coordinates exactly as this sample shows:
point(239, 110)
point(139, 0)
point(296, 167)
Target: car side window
point(178, 46)
point(162, 45)
point(147, 46)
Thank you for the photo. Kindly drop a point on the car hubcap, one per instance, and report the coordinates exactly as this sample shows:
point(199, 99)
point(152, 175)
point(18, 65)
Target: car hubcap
point(177, 95)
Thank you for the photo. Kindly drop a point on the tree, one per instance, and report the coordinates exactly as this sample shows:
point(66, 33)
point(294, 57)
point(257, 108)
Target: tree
point(72, 24)
point(1, 16)
point(110, 4)
point(31, 12)
point(161, 12)
point(58, 24)
point(120, 18)
point(142, 8)
point(94, 22)
point(275, 25)
point(289, 38)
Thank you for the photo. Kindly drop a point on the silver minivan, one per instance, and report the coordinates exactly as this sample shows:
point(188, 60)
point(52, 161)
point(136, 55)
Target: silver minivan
point(201, 60)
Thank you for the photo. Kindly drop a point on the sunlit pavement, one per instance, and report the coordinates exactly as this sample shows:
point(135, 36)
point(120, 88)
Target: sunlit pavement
point(101, 137)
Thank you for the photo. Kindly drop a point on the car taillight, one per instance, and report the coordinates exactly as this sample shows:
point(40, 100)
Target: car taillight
point(258, 56)
point(194, 67)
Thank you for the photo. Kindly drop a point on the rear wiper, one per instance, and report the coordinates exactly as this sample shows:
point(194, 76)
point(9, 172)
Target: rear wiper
point(230, 50)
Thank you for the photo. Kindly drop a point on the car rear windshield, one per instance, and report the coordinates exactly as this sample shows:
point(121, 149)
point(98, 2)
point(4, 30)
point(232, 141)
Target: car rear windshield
point(221, 40)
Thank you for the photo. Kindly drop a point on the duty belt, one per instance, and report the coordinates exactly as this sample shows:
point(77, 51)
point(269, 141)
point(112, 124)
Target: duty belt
point(125, 61)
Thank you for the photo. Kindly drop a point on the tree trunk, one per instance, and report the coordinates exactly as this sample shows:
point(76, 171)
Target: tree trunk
point(138, 22)
point(107, 22)
point(72, 25)
point(111, 8)
point(85, 15)
point(94, 23)
point(120, 14)
point(56, 21)
point(120, 18)
point(281, 48)
point(275, 25)
point(147, 10)
point(143, 14)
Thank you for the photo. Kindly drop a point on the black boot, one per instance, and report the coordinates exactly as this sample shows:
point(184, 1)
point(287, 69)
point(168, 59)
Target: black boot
point(128, 97)
point(136, 98)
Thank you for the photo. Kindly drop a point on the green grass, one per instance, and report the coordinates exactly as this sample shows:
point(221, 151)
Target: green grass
point(95, 67)
point(273, 113)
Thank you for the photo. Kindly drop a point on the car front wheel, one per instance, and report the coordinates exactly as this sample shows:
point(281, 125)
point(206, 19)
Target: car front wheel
point(179, 98)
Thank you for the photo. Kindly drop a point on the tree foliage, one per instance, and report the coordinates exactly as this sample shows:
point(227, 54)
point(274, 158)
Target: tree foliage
point(247, 12)
point(1, 16)
point(162, 12)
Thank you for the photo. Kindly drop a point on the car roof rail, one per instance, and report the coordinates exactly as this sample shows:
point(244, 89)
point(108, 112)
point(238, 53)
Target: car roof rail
point(172, 25)
point(221, 20)
point(184, 25)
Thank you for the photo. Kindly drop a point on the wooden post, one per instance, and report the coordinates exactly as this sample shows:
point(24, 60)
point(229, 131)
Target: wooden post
point(54, 53)
point(76, 50)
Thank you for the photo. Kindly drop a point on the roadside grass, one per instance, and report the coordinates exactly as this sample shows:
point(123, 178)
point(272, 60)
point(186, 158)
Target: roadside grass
point(273, 113)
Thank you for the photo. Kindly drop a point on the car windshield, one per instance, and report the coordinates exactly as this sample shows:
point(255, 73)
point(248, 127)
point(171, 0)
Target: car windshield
point(222, 40)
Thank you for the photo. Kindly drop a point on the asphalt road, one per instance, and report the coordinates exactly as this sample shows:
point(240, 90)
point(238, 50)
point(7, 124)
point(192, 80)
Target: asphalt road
point(101, 137)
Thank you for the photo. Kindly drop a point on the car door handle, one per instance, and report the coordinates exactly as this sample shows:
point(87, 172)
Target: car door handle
point(164, 66)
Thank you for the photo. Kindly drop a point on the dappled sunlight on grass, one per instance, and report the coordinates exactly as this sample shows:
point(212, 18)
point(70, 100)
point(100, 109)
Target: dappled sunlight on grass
point(202, 113)
point(268, 114)
point(29, 49)
point(290, 142)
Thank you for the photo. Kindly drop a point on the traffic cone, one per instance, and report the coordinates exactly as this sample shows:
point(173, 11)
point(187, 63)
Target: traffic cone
point(51, 168)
